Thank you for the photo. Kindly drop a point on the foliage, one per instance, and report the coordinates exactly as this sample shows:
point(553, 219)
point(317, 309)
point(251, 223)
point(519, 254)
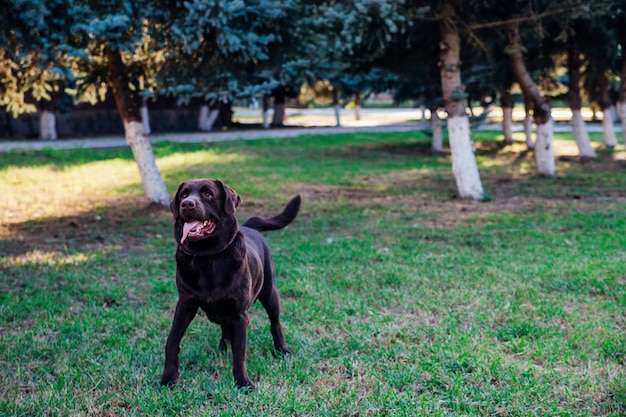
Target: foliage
point(246, 47)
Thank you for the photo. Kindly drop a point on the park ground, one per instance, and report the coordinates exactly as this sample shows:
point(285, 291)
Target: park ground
point(398, 298)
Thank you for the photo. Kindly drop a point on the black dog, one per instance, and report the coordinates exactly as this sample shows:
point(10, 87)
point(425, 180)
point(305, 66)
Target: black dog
point(222, 268)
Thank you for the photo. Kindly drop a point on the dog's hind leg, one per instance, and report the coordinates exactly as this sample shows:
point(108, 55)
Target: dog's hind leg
point(271, 302)
point(226, 336)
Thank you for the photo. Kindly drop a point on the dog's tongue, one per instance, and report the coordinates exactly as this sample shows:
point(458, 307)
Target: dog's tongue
point(188, 227)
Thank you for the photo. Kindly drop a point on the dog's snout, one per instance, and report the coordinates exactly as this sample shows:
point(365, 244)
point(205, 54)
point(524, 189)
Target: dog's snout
point(188, 203)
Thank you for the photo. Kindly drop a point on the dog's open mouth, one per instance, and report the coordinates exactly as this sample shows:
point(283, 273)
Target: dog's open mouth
point(197, 229)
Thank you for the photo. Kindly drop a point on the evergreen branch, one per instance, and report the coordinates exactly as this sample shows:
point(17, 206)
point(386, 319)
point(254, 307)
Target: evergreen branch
point(532, 17)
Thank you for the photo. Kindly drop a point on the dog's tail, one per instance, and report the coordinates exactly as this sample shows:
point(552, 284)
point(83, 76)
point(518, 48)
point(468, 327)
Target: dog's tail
point(277, 222)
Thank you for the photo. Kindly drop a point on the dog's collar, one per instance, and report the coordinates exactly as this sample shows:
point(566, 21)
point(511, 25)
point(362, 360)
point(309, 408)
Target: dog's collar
point(210, 252)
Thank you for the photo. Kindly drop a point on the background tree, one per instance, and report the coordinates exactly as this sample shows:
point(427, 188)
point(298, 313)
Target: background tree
point(601, 51)
point(464, 164)
point(542, 111)
point(33, 63)
point(576, 31)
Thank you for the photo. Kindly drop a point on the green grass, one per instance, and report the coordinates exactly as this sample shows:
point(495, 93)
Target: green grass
point(399, 299)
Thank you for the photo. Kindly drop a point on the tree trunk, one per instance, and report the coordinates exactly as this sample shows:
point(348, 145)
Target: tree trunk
point(507, 116)
point(437, 128)
point(621, 104)
point(279, 114)
point(464, 164)
point(224, 115)
point(610, 140)
point(336, 108)
point(280, 100)
point(202, 117)
point(265, 111)
point(544, 151)
point(422, 106)
point(211, 118)
point(579, 129)
point(207, 117)
point(128, 106)
point(47, 117)
point(357, 106)
point(145, 117)
point(47, 125)
point(528, 123)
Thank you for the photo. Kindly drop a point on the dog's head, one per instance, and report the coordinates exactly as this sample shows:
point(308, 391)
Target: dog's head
point(204, 214)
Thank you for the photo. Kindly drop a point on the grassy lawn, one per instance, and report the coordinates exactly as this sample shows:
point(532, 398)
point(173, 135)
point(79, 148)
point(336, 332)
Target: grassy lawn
point(399, 299)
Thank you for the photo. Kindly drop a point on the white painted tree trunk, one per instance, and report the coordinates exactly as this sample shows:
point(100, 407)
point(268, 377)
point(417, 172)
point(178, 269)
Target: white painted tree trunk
point(579, 130)
point(337, 110)
point(202, 116)
point(47, 125)
point(153, 184)
point(437, 128)
point(544, 151)
point(207, 118)
point(210, 121)
point(266, 119)
point(621, 112)
point(423, 120)
point(145, 118)
point(610, 140)
point(528, 131)
point(464, 164)
point(614, 116)
point(507, 124)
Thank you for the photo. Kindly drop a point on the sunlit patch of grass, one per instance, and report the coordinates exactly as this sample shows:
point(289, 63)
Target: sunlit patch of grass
point(28, 193)
point(47, 258)
point(205, 160)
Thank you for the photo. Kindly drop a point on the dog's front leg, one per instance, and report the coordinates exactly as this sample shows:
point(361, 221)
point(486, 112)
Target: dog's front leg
point(182, 317)
point(239, 337)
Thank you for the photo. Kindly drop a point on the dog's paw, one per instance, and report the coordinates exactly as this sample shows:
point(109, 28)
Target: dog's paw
point(281, 350)
point(245, 385)
point(169, 377)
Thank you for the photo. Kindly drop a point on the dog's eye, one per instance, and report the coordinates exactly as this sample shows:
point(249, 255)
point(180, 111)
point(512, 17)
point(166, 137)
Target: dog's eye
point(207, 194)
point(184, 195)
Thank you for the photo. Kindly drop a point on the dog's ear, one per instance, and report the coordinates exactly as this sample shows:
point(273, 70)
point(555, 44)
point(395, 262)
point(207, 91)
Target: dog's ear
point(175, 203)
point(231, 198)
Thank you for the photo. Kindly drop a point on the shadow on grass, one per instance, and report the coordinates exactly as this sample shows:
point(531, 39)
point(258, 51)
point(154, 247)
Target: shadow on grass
point(124, 224)
point(382, 170)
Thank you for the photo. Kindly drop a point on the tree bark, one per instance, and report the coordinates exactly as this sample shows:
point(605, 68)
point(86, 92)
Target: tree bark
point(128, 105)
point(47, 125)
point(280, 100)
point(544, 151)
point(207, 117)
point(528, 123)
point(621, 104)
point(464, 164)
point(422, 107)
point(579, 129)
point(507, 116)
point(336, 108)
point(202, 117)
point(47, 117)
point(265, 111)
point(357, 106)
point(437, 128)
point(610, 140)
point(145, 117)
